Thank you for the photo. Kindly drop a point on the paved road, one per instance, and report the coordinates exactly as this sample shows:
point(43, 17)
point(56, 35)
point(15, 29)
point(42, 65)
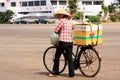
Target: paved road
point(22, 47)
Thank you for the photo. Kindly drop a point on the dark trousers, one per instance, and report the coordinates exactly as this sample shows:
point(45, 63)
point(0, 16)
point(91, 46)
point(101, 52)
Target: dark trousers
point(64, 46)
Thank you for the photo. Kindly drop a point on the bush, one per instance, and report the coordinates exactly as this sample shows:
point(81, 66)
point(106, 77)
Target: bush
point(115, 18)
point(94, 19)
point(79, 15)
point(5, 16)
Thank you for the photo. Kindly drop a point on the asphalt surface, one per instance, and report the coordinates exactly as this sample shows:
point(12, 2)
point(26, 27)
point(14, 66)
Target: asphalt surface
point(22, 47)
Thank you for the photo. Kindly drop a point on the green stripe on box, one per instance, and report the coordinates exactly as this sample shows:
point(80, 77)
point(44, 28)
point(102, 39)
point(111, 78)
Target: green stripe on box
point(87, 38)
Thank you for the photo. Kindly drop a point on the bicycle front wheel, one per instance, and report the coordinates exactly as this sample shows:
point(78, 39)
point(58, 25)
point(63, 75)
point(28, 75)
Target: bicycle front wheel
point(90, 62)
point(48, 60)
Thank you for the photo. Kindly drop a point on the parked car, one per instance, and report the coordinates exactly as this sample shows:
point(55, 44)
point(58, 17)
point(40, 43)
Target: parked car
point(41, 21)
point(21, 22)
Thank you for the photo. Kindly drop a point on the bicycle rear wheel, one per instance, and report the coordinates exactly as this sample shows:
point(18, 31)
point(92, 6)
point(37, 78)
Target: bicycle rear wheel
point(90, 62)
point(48, 60)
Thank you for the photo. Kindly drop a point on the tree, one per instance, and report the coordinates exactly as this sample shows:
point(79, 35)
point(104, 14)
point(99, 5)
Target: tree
point(2, 17)
point(72, 6)
point(105, 13)
point(119, 4)
point(79, 15)
point(111, 8)
point(105, 8)
point(5, 16)
point(118, 1)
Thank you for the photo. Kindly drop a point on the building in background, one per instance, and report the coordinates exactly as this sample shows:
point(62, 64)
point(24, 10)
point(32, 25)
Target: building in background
point(38, 8)
point(59, 4)
point(90, 7)
point(46, 8)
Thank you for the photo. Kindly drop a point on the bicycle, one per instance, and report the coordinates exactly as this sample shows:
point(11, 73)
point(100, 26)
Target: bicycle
point(85, 58)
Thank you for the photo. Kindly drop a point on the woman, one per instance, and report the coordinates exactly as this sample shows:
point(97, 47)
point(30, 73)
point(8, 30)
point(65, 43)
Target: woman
point(64, 29)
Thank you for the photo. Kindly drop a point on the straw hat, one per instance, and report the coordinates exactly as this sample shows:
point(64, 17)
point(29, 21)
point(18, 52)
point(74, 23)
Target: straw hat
point(63, 12)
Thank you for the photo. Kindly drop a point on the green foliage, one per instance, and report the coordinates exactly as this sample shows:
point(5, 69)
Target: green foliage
point(94, 19)
point(72, 6)
point(105, 8)
point(118, 16)
point(119, 4)
point(118, 1)
point(79, 15)
point(111, 8)
point(114, 18)
point(5, 16)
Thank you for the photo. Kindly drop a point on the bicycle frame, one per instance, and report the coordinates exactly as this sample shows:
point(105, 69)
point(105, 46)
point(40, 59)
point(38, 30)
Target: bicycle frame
point(79, 50)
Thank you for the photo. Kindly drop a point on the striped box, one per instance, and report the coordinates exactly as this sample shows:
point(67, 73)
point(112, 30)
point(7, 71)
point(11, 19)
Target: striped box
point(88, 34)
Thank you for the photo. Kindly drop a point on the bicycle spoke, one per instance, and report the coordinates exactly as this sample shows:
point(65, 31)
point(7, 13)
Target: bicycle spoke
point(48, 59)
point(89, 63)
point(91, 56)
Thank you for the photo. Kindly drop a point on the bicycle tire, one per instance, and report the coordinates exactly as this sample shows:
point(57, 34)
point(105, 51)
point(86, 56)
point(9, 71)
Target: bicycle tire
point(48, 60)
point(90, 62)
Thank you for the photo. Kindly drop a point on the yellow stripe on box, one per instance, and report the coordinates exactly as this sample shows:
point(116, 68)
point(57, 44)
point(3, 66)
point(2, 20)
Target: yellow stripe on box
point(83, 33)
point(88, 42)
